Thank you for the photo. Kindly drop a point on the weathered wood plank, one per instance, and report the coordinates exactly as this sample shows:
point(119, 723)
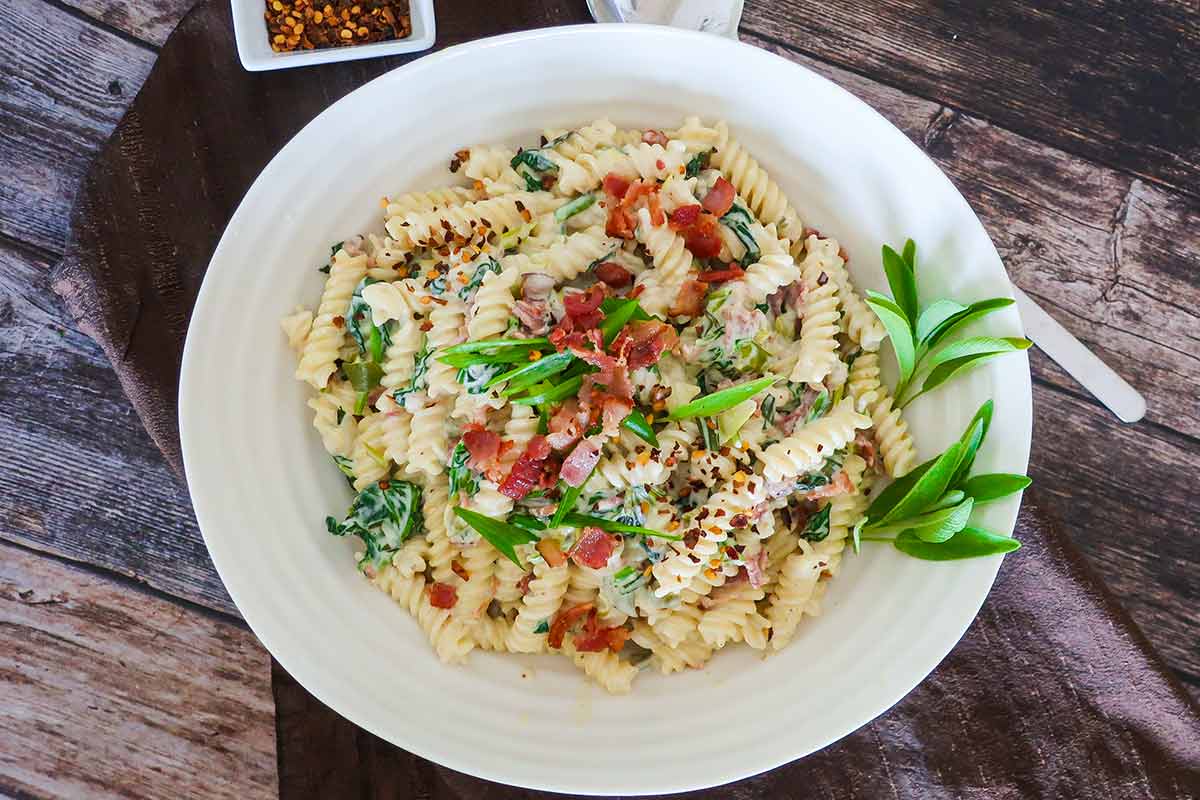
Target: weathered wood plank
point(114, 692)
point(83, 479)
point(63, 86)
point(1110, 80)
point(1126, 495)
point(151, 21)
point(1113, 258)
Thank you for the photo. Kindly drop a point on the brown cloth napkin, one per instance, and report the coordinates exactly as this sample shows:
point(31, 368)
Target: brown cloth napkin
point(1052, 693)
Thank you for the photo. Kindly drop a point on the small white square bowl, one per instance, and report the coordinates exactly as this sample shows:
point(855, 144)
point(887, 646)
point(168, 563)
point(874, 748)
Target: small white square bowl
point(254, 46)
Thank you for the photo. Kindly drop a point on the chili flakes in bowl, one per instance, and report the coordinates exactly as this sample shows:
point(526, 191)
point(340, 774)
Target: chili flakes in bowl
point(315, 24)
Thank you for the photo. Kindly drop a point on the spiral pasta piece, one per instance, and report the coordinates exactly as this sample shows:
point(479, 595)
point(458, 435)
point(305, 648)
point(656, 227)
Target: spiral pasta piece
point(672, 263)
point(600, 133)
point(735, 618)
point(565, 260)
point(774, 268)
point(696, 136)
point(605, 668)
point(491, 166)
point(335, 423)
point(429, 201)
point(441, 551)
point(891, 431)
point(808, 447)
point(447, 330)
point(369, 452)
point(296, 327)
point(493, 305)
point(691, 653)
point(539, 605)
point(507, 212)
point(491, 633)
point(816, 353)
point(766, 200)
point(323, 345)
point(858, 320)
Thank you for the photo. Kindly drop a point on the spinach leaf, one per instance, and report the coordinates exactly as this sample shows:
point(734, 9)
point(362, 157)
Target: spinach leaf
point(462, 477)
point(477, 377)
point(482, 269)
point(817, 527)
point(698, 164)
point(970, 542)
point(346, 466)
point(533, 166)
point(738, 220)
point(383, 515)
point(420, 376)
point(820, 407)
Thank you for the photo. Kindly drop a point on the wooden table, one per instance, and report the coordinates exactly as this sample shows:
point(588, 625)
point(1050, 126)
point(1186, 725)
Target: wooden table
point(1074, 132)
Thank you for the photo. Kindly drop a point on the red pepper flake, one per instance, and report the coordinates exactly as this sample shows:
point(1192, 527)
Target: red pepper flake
point(460, 570)
point(442, 595)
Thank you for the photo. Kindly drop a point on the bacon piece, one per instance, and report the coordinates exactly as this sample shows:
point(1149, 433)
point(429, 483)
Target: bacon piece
point(657, 215)
point(565, 426)
point(642, 342)
point(483, 445)
point(579, 464)
point(563, 621)
point(621, 223)
point(593, 549)
point(655, 137)
point(613, 274)
point(523, 584)
point(719, 199)
point(584, 307)
point(534, 317)
point(732, 272)
point(864, 445)
point(702, 239)
point(536, 287)
point(442, 595)
point(685, 217)
point(614, 411)
point(756, 569)
point(615, 185)
point(551, 552)
point(690, 302)
point(594, 639)
point(526, 472)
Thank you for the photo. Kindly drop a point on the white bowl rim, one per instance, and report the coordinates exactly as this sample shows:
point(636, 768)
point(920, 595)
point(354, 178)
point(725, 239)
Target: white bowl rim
point(758, 760)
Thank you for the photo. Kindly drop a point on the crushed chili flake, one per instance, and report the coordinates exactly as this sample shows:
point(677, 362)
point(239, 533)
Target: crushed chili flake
point(311, 24)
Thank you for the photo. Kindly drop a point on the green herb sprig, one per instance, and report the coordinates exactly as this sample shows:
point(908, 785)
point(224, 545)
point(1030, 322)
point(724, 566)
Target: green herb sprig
point(919, 337)
point(501, 535)
point(727, 398)
point(383, 518)
point(929, 509)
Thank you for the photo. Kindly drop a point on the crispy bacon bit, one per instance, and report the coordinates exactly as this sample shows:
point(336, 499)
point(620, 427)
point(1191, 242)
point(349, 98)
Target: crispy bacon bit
point(593, 549)
point(565, 426)
point(621, 224)
point(615, 185)
point(534, 317)
point(702, 239)
point(483, 445)
point(732, 272)
point(579, 464)
point(442, 595)
point(594, 639)
point(655, 137)
point(460, 570)
point(563, 621)
point(685, 217)
point(642, 342)
point(841, 484)
point(527, 470)
point(756, 569)
point(523, 584)
point(864, 445)
point(613, 411)
point(690, 302)
point(613, 274)
point(584, 307)
point(551, 552)
point(739, 521)
point(719, 199)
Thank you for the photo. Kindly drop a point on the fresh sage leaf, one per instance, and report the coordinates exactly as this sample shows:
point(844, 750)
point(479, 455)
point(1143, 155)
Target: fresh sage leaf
point(899, 331)
point(500, 535)
point(939, 526)
point(903, 283)
point(945, 370)
point(972, 440)
point(909, 254)
point(896, 491)
point(717, 402)
point(977, 346)
point(992, 486)
point(970, 542)
point(949, 499)
point(928, 488)
point(383, 516)
point(937, 313)
point(637, 424)
point(972, 312)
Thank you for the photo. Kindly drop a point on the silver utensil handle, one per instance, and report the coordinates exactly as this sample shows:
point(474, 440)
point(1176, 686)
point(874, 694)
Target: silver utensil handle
point(1080, 363)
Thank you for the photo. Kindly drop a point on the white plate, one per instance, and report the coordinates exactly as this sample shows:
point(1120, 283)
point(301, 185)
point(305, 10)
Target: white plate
point(261, 483)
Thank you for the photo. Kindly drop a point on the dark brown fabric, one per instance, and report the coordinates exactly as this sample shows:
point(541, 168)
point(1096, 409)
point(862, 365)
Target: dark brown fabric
point(1052, 693)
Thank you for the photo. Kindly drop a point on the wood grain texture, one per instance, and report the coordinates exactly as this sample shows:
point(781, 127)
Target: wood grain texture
point(1112, 80)
point(63, 86)
point(112, 692)
point(83, 480)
